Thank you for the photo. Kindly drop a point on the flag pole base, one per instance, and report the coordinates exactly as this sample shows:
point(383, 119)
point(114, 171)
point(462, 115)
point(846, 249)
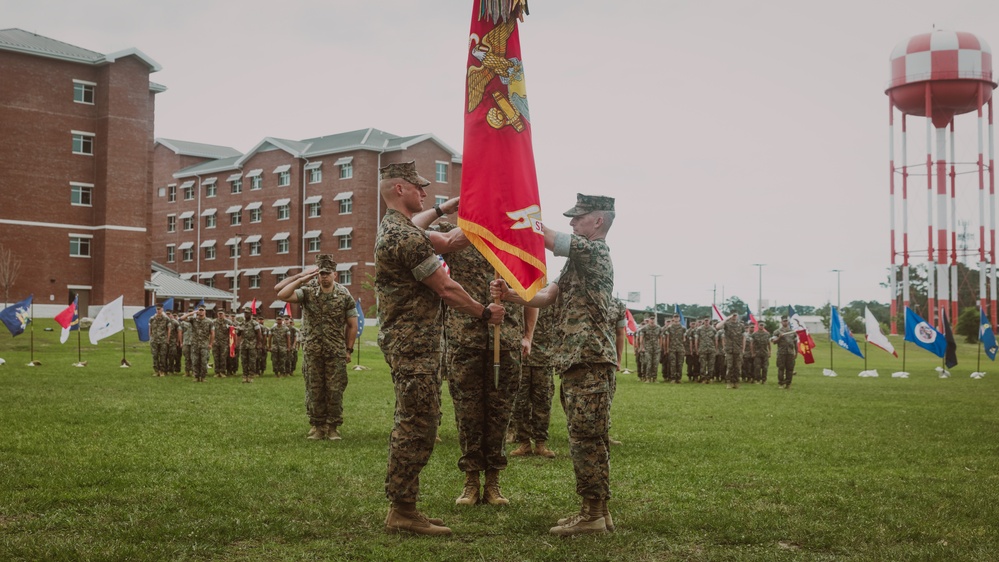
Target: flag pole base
point(125, 364)
point(626, 372)
point(35, 363)
point(361, 368)
point(80, 364)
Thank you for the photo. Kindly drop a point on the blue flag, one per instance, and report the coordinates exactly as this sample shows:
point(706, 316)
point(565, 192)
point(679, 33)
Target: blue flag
point(360, 318)
point(200, 303)
point(840, 333)
point(683, 321)
point(168, 304)
point(142, 318)
point(987, 336)
point(922, 334)
point(16, 317)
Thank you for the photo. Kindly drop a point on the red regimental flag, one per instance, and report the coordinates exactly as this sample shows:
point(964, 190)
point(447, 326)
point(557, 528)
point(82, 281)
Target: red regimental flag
point(232, 341)
point(805, 345)
point(500, 209)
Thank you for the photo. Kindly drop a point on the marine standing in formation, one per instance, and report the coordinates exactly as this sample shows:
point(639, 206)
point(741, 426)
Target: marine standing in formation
point(220, 347)
point(328, 309)
point(733, 333)
point(249, 338)
point(160, 331)
point(201, 337)
point(586, 357)
point(674, 338)
point(787, 351)
point(410, 285)
point(532, 409)
point(648, 343)
point(761, 354)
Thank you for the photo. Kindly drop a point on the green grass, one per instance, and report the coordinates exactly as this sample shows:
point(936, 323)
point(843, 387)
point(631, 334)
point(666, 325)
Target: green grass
point(105, 463)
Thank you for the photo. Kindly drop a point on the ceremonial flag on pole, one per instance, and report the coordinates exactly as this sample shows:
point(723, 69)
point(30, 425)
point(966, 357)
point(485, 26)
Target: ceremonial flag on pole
point(950, 355)
point(69, 319)
point(17, 316)
point(631, 327)
point(718, 315)
point(232, 341)
point(200, 303)
point(987, 336)
point(751, 318)
point(500, 210)
point(360, 318)
point(168, 304)
point(874, 334)
point(840, 333)
point(253, 307)
point(683, 321)
point(922, 334)
point(805, 342)
point(142, 319)
point(109, 321)
point(287, 309)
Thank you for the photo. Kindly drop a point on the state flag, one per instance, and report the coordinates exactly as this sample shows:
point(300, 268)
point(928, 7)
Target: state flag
point(17, 316)
point(923, 335)
point(840, 333)
point(109, 321)
point(69, 319)
point(142, 319)
point(874, 334)
point(987, 336)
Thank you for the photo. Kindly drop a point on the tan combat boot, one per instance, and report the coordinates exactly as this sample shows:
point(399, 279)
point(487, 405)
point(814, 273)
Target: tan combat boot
point(315, 432)
point(491, 491)
point(469, 495)
point(541, 449)
point(332, 434)
point(405, 517)
point(522, 451)
point(590, 522)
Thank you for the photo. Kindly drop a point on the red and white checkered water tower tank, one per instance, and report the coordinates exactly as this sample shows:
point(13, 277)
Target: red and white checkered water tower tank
point(941, 74)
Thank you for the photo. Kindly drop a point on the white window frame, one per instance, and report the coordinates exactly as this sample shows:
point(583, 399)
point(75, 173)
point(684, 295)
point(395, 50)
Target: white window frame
point(171, 255)
point(209, 282)
point(211, 190)
point(284, 212)
point(172, 193)
point(188, 224)
point(315, 175)
point(256, 215)
point(283, 246)
point(83, 143)
point(256, 182)
point(81, 189)
point(236, 219)
point(236, 186)
point(315, 210)
point(441, 171)
point(440, 199)
point(254, 281)
point(171, 223)
point(314, 244)
point(345, 277)
point(347, 206)
point(235, 251)
point(83, 88)
point(211, 221)
point(187, 254)
point(345, 242)
point(255, 248)
point(82, 243)
point(189, 193)
point(346, 170)
point(210, 253)
point(284, 179)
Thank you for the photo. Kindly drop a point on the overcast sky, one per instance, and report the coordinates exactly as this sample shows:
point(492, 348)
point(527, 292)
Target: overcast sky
point(730, 133)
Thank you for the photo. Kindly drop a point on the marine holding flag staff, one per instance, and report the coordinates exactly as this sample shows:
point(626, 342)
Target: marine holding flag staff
point(585, 354)
point(410, 285)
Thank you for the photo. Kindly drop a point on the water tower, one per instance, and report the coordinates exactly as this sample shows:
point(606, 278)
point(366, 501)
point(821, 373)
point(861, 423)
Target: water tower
point(939, 75)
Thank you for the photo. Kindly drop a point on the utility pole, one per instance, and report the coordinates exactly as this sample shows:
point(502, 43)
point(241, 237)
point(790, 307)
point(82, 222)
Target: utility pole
point(655, 297)
point(759, 296)
point(837, 272)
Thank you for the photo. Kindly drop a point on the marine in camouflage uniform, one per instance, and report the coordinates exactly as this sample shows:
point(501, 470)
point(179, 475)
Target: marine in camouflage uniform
point(761, 354)
point(159, 335)
point(328, 310)
point(733, 332)
point(586, 356)
point(280, 343)
point(649, 336)
point(185, 338)
point(674, 344)
point(174, 345)
point(201, 337)
point(263, 346)
point(787, 351)
point(220, 347)
point(482, 408)
point(248, 332)
point(704, 343)
point(410, 285)
point(690, 352)
point(748, 360)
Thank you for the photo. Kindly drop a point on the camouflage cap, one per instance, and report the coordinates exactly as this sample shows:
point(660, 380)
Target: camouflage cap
point(325, 262)
point(588, 203)
point(404, 170)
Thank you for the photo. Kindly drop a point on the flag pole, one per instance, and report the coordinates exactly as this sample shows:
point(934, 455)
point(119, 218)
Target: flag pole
point(903, 354)
point(496, 345)
point(32, 335)
point(865, 354)
point(979, 368)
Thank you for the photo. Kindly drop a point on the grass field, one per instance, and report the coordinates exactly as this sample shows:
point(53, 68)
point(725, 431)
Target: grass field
point(106, 463)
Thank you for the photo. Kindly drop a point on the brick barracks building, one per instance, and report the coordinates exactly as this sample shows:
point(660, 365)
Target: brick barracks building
point(242, 222)
point(76, 171)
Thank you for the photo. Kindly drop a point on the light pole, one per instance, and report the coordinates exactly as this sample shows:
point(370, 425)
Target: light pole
point(837, 272)
point(759, 296)
point(655, 298)
point(235, 269)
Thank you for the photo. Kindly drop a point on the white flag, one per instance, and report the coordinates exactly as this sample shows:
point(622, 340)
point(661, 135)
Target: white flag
point(874, 335)
point(109, 321)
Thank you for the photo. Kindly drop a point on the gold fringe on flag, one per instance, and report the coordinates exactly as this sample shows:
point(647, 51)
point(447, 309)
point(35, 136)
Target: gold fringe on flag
point(505, 10)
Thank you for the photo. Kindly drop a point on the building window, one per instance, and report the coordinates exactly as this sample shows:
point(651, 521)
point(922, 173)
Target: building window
point(210, 282)
point(210, 252)
point(256, 215)
point(313, 244)
point(282, 246)
point(188, 254)
point(236, 219)
point(232, 283)
point(211, 190)
point(314, 210)
point(347, 206)
point(189, 193)
point(440, 199)
point(171, 223)
point(346, 171)
point(315, 175)
point(83, 92)
point(81, 194)
point(346, 241)
point(344, 277)
point(171, 253)
point(83, 143)
point(189, 223)
point(234, 251)
point(255, 248)
point(284, 179)
point(236, 186)
point(254, 281)
point(79, 246)
point(210, 221)
point(442, 172)
point(256, 182)
point(280, 277)
point(284, 212)
point(172, 193)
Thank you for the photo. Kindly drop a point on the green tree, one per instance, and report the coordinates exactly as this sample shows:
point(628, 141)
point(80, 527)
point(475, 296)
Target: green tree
point(968, 323)
point(734, 304)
